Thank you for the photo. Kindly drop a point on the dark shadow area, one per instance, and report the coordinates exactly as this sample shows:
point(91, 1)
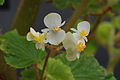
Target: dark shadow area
point(102, 56)
point(5, 6)
point(117, 71)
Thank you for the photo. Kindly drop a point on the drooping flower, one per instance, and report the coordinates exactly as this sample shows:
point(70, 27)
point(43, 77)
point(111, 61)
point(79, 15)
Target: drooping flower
point(53, 22)
point(83, 29)
point(37, 37)
point(73, 47)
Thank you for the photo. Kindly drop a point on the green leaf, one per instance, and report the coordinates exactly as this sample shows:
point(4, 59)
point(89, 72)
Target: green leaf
point(85, 68)
point(2, 2)
point(56, 70)
point(28, 74)
point(20, 52)
point(109, 76)
point(103, 32)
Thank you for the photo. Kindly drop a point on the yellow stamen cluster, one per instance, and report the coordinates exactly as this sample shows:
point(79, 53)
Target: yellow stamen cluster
point(83, 33)
point(80, 46)
point(80, 37)
point(56, 29)
point(37, 39)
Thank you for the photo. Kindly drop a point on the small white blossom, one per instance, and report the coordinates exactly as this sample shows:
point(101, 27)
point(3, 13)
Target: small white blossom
point(55, 35)
point(69, 45)
point(37, 37)
point(73, 47)
point(83, 29)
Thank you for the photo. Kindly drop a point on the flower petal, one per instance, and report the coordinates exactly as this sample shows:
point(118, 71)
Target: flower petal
point(29, 38)
point(55, 38)
point(76, 36)
point(82, 41)
point(45, 30)
point(71, 56)
point(62, 24)
point(68, 42)
point(84, 26)
point(73, 29)
point(86, 39)
point(78, 55)
point(70, 46)
point(52, 20)
point(40, 46)
point(34, 32)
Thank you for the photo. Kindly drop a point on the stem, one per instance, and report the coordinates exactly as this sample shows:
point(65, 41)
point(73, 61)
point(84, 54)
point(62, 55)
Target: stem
point(44, 66)
point(114, 57)
point(97, 22)
point(36, 72)
point(54, 48)
point(26, 15)
point(77, 13)
point(104, 11)
point(112, 62)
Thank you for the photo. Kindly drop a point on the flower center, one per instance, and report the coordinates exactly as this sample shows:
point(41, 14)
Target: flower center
point(80, 46)
point(56, 29)
point(83, 33)
point(38, 39)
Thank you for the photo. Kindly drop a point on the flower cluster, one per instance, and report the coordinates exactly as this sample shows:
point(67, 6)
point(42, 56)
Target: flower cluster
point(74, 42)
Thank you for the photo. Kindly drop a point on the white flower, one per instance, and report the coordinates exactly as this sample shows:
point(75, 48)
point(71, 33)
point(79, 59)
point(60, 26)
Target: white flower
point(83, 29)
point(73, 47)
point(55, 34)
point(37, 37)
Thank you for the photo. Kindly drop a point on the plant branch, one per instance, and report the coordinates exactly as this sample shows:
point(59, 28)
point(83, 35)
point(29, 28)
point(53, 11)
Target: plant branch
point(77, 13)
point(54, 48)
point(104, 11)
point(97, 21)
point(44, 66)
point(36, 72)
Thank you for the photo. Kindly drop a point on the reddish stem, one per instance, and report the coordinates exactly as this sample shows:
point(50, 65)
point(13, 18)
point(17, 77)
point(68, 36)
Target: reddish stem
point(97, 22)
point(36, 72)
point(104, 11)
point(44, 66)
point(54, 48)
point(1, 52)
